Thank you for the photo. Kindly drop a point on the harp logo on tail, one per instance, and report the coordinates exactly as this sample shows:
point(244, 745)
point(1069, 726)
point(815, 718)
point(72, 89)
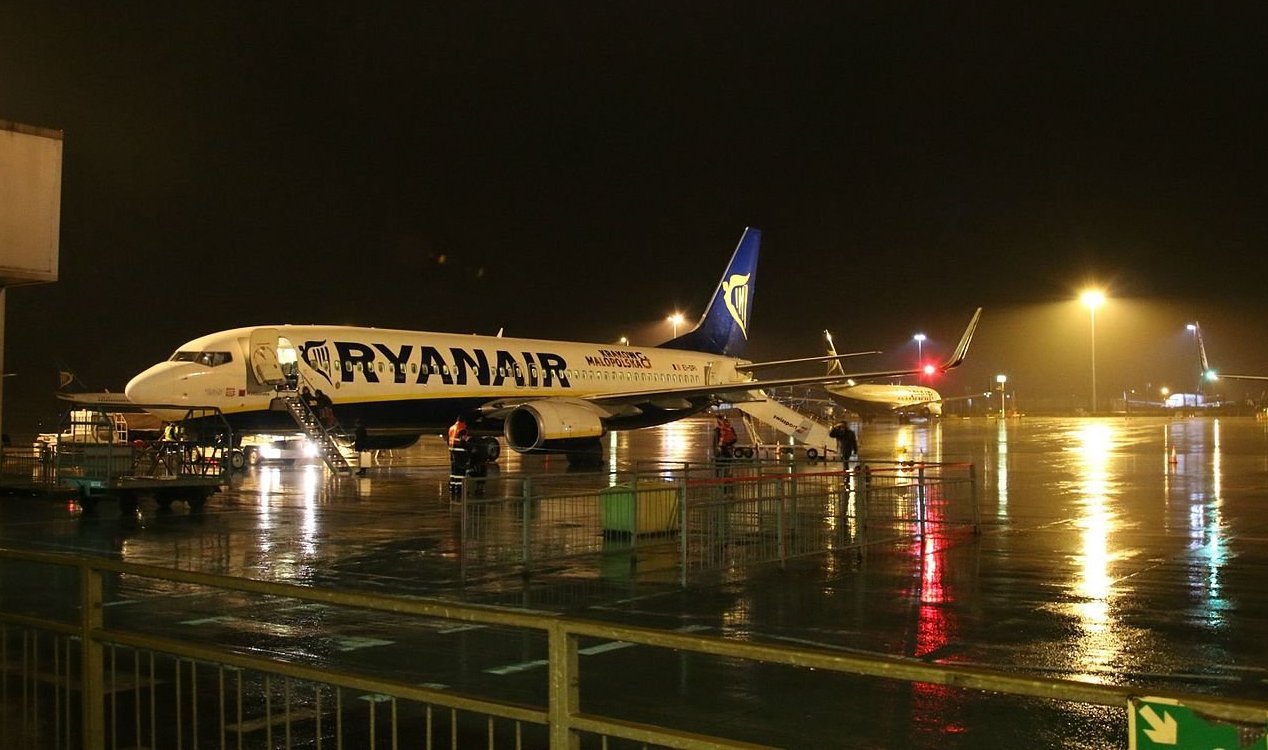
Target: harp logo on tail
point(735, 295)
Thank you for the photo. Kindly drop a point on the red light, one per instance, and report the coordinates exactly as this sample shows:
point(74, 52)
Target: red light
point(930, 369)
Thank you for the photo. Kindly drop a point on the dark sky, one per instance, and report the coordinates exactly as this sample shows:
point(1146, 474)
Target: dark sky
point(584, 168)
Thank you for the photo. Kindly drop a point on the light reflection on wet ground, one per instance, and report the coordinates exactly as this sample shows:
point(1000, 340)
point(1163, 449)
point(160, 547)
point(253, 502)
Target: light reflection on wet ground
point(1118, 551)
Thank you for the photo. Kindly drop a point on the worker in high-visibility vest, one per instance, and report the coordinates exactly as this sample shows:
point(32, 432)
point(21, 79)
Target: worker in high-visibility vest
point(457, 426)
point(724, 438)
point(459, 462)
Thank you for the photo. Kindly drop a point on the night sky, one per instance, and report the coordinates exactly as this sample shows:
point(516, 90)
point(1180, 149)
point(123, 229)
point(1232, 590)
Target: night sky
point(579, 170)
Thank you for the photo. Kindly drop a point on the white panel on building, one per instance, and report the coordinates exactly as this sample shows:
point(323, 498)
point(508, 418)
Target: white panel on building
point(30, 203)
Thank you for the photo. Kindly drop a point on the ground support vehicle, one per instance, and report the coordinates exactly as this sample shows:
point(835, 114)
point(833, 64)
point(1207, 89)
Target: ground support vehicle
point(167, 470)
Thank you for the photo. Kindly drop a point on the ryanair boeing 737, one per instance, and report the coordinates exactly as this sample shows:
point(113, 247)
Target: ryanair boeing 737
point(539, 395)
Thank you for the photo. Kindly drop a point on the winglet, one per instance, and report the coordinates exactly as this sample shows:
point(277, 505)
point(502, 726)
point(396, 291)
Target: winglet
point(1197, 332)
point(962, 348)
point(835, 368)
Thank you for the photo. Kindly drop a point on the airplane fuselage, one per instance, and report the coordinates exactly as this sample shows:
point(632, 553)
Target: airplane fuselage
point(415, 381)
point(891, 397)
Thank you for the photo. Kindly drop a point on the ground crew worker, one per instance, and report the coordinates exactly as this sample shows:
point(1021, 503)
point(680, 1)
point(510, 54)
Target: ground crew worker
point(723, 438)
point(847, 444)
point(457, 426)
point(459, 460)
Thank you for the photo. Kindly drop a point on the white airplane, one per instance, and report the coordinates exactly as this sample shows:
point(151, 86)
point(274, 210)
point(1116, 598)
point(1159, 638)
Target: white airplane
point(1206, 374)
point(880, 398)
point(1210, 374)
point(541, 395)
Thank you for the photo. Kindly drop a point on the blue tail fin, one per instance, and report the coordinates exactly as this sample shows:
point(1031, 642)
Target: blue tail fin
point(723, 329)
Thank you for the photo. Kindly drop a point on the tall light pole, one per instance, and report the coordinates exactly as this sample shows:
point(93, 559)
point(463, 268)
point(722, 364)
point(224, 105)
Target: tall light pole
point(675, 319)
point(1001, 379)
point(920, 357)
point(1193, 329)
point(1092, 299)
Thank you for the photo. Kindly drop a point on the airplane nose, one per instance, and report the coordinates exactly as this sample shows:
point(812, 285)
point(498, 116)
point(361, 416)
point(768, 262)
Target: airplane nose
point(154, 386)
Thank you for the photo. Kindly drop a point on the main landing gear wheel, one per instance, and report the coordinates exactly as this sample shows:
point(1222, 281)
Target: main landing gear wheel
point(492, 448)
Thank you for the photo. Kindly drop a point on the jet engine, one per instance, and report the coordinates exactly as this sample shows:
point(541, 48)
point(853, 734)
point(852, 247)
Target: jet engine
point(553, 424)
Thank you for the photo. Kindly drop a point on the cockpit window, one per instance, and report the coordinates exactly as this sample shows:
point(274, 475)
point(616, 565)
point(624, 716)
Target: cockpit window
point(209, 359)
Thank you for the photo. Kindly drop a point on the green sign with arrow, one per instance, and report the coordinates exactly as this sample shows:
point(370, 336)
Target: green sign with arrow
point(1164, 724)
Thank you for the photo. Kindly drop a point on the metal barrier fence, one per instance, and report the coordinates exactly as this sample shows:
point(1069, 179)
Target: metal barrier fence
point(711, 518)
point(27, 468)
point(74, 678)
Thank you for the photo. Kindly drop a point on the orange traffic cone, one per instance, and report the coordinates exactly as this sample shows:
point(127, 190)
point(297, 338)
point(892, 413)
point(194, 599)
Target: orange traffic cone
point(1172, 460)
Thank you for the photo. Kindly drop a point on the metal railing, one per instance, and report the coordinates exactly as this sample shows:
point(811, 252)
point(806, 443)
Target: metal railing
point(705, 519)
point(73, 680)
point(27, 468)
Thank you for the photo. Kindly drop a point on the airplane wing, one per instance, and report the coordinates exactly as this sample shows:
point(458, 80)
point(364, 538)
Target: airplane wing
point(727, 391)
point(754, 366)
point(104, 398)
point(1243, 377)
point(690, 396)
point(67, 379)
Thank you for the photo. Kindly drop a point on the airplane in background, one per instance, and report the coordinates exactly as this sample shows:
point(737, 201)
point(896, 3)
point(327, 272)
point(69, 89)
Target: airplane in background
point(883, 398)
point(1198, 399)
point(1210, 374)
point(540, 395)
point(1188, 400)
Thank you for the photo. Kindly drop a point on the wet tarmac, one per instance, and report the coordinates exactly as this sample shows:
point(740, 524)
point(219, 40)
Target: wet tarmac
point(1123, 551)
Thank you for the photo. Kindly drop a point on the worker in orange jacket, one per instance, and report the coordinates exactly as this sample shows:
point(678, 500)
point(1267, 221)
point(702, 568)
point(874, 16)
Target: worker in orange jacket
point(457, 426)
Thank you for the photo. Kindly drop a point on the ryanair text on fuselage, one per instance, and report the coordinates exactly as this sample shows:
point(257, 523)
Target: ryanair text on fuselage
point(342, 361)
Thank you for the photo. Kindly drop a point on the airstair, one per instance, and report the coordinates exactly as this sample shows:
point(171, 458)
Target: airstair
point(806, 430)
point(330, 449)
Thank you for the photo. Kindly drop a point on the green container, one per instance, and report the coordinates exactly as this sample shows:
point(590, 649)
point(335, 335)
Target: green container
point(652, 510)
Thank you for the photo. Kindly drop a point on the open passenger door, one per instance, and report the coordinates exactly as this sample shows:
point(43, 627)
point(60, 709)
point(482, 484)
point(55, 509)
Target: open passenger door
point(266, 370)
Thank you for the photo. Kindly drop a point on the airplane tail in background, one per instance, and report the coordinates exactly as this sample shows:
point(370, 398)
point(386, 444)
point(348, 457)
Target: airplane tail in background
point(723, 329)
point(834, 368)
point(1206, 366)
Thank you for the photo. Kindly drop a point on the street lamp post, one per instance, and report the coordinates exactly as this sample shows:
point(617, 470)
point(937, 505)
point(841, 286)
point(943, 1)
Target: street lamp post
point(920, 357)
point(674, 320)
point(1093, 299)
point(1001, 379)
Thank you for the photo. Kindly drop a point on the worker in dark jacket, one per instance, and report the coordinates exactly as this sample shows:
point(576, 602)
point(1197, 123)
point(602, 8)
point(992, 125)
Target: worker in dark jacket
point(847, 444)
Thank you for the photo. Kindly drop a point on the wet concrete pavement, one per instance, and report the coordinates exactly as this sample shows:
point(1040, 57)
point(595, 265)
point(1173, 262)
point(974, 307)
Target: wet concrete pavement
point(1126, 551)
